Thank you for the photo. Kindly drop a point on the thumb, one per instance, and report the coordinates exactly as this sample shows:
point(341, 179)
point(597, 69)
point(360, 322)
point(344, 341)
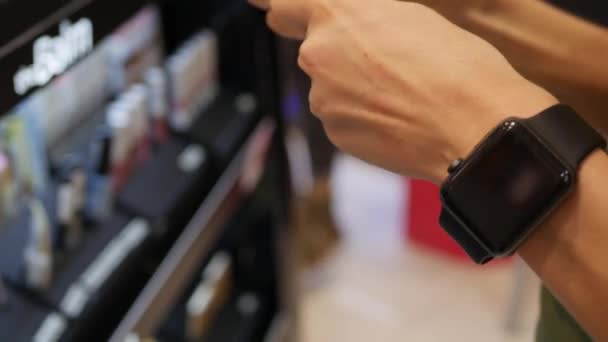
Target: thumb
point(290, 18)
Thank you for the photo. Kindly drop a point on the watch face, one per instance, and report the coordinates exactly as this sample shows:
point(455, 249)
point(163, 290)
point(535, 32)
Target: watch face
point(509, 184)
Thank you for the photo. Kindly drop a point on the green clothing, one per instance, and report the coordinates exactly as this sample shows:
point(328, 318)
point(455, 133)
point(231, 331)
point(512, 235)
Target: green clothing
point(556, 324)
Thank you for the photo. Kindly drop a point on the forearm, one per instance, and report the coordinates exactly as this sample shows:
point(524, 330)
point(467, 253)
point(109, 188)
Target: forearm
point(569, 251)
point(560, 52)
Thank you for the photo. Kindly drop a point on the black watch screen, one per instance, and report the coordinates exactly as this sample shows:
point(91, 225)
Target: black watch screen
point(508, 186)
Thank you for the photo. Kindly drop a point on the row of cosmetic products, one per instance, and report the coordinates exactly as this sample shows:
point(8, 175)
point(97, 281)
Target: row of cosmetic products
point(135, 124)
point(193, 73)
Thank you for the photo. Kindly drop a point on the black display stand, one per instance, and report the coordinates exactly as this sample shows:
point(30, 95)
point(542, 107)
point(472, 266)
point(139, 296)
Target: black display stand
point(236, 201)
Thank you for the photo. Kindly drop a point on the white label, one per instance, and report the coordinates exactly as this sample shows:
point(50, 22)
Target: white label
point(54, 55)
point(51, 330)
point(132, 338)
point(191, 158)
point(74, 301)
point(200, 300)
point(115, 253)
point(217, 268)
point(65, 203)
point(134, 234)
point(111, 257)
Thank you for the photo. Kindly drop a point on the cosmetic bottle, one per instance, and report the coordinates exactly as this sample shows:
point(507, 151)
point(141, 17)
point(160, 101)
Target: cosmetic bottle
point(99, 192)
point(68, 229)
point(137, 99)
point(207, 87)
point(38, 254)
point(158, 106)
point(8, 188)
point(71, 201)
point(179, 118)
point(78, 178)
point(122, 143)
point(29, 145)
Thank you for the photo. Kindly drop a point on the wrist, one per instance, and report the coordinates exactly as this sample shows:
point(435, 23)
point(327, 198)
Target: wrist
point(561, 229)
point(521, 100)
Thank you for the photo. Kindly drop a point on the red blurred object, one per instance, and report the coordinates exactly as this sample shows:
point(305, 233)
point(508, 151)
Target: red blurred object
point(422, 223)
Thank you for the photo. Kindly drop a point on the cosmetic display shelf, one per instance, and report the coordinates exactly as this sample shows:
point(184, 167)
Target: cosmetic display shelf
point(172, 277)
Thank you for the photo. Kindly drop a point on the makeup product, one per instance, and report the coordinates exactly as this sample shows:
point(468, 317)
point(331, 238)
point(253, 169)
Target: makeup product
point(68, 230)
point(38, 255)
point(158, 104)
point(207, 87)
point(123, 140)
point(78, 178)
point(137, 100)
point(179, 118)
point(8, 188)
point(28, 139)
point(193, 74)
point(209, 297)
point(99, 192)
point(71, 201)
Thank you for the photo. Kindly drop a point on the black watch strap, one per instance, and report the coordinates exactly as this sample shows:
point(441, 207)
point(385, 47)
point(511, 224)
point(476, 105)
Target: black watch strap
point(559, 126)
point(464, 239)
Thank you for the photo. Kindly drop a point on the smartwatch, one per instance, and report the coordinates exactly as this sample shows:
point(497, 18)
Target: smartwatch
point(519, 173)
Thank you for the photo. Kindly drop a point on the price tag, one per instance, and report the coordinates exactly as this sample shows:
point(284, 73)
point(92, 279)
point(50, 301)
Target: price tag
point(74, 301)
point(51, 329)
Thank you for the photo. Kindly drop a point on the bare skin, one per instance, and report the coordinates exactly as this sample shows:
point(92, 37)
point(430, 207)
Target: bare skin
point(402, 87)
point(562, 53)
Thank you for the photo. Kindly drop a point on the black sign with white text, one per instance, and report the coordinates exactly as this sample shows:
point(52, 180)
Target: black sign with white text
point(40, 40)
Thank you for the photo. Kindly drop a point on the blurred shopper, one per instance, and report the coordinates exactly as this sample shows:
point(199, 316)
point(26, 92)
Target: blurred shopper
point(401, 87)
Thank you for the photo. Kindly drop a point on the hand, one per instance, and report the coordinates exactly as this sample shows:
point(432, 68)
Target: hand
point(457, 10)
point(398, 85)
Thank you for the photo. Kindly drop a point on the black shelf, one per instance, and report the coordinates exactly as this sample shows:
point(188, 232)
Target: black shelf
point(27, 20)
point(20, 318)
point(186, 213)
point(166, 192)
point(196, 242)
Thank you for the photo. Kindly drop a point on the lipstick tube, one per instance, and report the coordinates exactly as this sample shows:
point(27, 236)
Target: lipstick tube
point(119, 121)
point(38, 254)
point(177, 68)
point(157, 83)
point(137, 99)
point(8, 188)
point(99, 203)
point(69, 231)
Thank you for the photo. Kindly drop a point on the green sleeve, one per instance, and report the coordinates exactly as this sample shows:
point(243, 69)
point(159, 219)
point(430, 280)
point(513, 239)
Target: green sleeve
point(555, 324)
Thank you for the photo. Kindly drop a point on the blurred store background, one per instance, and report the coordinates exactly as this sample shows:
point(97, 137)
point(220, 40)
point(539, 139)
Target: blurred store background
point(378, 285)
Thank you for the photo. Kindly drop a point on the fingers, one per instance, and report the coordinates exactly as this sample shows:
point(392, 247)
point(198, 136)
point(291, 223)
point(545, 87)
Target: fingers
point(284, 26)
point(288, 18)
point(261, 4)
